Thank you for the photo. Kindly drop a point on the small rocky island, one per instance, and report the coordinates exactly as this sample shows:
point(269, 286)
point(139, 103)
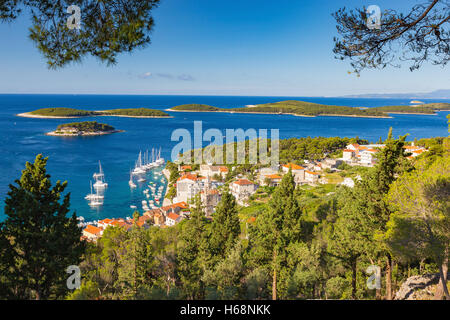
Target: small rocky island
point(86, 128)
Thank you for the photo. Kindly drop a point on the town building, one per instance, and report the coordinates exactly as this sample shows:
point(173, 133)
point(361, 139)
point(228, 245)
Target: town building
point(242, 189)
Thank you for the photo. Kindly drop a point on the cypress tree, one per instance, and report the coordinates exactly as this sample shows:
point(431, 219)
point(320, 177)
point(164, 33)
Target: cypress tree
point(38, 241)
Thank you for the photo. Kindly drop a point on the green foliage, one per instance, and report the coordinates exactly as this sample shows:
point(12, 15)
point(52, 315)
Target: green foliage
point(69, 112)
point(108, 28)
point(63, 112)
point(37, 240)
point(309, 109)
point(420, 226)
point(86, 126)
point(195, 107)
point(405, 109)
point(136, 112)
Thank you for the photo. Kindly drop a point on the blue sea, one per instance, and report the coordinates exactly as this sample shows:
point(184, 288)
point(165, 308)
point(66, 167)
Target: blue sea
point(76, 159)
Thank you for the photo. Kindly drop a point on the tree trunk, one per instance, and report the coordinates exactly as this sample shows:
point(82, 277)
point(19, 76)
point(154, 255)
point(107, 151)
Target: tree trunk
point(378, 291)
point(389, 277)
point(354, 265)
point(442, 290)
point(274, 277)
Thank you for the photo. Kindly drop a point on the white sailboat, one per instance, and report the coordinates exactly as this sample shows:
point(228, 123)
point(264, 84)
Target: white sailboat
point(138, 168)
point(93, 195)
point(96, 201)
point(131, 183)
point(100, 178)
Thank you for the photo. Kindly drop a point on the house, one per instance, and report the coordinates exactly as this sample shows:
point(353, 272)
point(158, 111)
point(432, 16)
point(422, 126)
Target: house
point(158, 219)
point(210, 198)
point(188, 186)
point(210, 171)
point(144, 221)
point(293, 167)
point(92, 232)
point(274, 180)
point(242, 189)
point(312, 177)
point(172, 219)
point(331, 163)
point(348, 155)
point(368, 157)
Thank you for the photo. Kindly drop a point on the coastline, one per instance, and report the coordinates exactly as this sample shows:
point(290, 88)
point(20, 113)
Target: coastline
point(29, 115)
point(82, 133)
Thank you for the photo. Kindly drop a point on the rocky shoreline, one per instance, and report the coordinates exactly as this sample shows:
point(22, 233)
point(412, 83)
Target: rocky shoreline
point(82, 133)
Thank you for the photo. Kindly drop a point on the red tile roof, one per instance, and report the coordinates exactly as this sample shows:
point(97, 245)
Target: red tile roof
point(293, 166)
point(243, 182)
point(93, 230)
point(173, 216)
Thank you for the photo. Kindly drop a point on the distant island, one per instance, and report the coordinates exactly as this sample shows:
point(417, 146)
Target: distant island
point(63, 113)
point(437, 94)
point(86, 128)
point(308, 109)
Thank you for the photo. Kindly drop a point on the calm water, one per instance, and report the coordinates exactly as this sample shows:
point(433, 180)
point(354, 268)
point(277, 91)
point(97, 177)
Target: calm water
point(76, 159)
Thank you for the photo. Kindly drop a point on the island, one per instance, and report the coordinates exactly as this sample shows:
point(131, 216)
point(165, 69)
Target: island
point(194, 108)
point(291, 107)
point(424, 109)
point(64, 113)
point(86, 128)
point(308, 109)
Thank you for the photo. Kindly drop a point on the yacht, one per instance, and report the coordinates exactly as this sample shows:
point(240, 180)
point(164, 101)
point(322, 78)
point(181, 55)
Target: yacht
point(139, 169)
point(131, 183)
point(100, 178)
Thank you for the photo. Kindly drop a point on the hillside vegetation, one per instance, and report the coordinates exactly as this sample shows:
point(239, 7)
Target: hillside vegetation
point(86, 126)
point(405, 109)
point(195, 107)
point(309, 109)
point(69, 112)
point(138, 112)
point(63, 112)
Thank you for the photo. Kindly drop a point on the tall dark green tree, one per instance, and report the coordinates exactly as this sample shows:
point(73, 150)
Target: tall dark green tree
point(190, 253)
point(275, 229)
point(225, 228)
point(38, 240)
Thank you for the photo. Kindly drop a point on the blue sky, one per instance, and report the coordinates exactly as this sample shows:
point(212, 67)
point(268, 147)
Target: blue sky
point(211, 47)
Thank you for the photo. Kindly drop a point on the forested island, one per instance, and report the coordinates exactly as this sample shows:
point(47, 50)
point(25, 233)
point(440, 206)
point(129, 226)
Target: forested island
point(307, 109)
point(86, 128)
point(76, 113)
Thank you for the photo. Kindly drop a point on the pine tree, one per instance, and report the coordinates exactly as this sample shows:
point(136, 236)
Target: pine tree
point(225, 228)
point(38, 241)
point(275, 229)
point(190, 253)
point(420, 225)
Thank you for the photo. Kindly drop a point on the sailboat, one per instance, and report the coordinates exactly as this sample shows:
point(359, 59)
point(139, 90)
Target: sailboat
point(100, 178)
point(131, 183)
point(96, 201)
point(138, 169)
point(159, 160)
point(92, 195)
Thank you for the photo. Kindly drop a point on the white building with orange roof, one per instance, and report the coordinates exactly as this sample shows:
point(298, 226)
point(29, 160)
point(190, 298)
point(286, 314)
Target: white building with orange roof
point(242, 189)
point(312, 177)
point(172, 219)
point(188, 186)
point(210, 171)
point(92, 232)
